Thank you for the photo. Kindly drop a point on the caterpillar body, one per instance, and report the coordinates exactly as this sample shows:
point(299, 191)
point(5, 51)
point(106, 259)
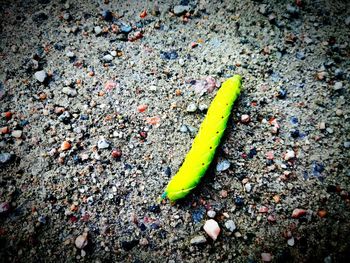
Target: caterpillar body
point(206, 141)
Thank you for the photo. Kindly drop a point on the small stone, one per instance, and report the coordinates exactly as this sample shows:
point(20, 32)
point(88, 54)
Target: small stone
point(113, 53)
point(338, 73)
point(329, 130)
point(263, 9)
point(289, 155)
point(271, 218)
point(81, 241)
point(70, 54)
point(263, 209)
point(16, 134)
point(347, 144)
point(347, 21)
point(69, 91)
point(125, 29)
point(4, 207)
point(291, 241)
point(66, 16)
point(222, 165)
point(107, 58)
point(230, 225)
point(200, 239)
point(211, 213)
point(107, 15)
point(266, 257)
point(65, 146)
point(144, 242)
point(248, 187)
point(298, 213)
point(181, 9)
point(245, 118)
point(97, 30)
point(102, 144)
point(338, 86)
point(5, 157)
point(322, 126)
point(40, 76)
point(183, 128)
point(191, 107)
point(142, 108)
point(203, 107)
point(300, 55)
point(116, 153)
point(292, 10)
point(211, 227)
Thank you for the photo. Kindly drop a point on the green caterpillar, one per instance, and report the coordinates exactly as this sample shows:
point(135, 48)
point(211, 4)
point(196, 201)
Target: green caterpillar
point(207, 140)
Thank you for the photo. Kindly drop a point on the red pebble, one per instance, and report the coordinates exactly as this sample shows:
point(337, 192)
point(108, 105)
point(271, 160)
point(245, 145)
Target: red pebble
point(194, 44)
point(116, 153)
point(4, 130)
point(298, 213)
point(8, 115)
point(143, 134)
point(142, 108)
point(143, 14)
point(263, 209)
point(271, 218)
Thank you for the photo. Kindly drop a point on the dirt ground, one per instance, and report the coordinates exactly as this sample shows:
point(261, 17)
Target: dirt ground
point(100, 101)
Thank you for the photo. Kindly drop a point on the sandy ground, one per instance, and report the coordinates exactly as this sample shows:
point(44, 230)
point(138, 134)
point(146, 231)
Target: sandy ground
point(99, 104)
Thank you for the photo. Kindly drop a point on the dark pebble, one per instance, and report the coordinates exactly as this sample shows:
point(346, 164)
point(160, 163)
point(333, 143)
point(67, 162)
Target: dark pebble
point(317, 168)
point(331, 188)
point(171, 55)
point(127, 166)
point(294, 133)
point(252, 153)
point(107, 15)
point(239, 201)
point(154, 226)
point(282, 94)
point(294, 120)
point(154, 209)
point(142, 227)
point(197, 215)
point(128, 245)
point(167, 171)
point(40, 18)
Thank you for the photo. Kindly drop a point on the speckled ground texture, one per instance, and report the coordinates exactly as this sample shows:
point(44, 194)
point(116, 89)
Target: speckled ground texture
point(94, 197)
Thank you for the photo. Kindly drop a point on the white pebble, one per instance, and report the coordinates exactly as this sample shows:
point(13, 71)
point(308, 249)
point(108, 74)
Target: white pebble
point(81, 241)
point(102, 144)
point(289, 155)
point(230, 225)
point(211, 213)
point(211, 227)
point(16, 134)
point(248, 187)
point(223, 165)
point(198, 240)
point(291, 241)
point(191, 107)
point(40, 75)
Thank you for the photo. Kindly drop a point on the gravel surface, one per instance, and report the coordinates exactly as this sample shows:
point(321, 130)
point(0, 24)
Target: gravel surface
point(100, 101)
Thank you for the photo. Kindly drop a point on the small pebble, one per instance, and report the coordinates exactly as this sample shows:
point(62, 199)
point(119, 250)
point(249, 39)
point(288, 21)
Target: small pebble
point(200, 239)
point(102, 144)
point(107, 58)
point(97, 30)
point(230, 225)
point(203, 107)
point(245, 118)
point(181, 9)
point(248, 187)
point(339, 112)
point(183, 128)
point(289, 155)
point(211, 213)
point(338, 86)
point(70, 54)
point(5, 157)
point(266, 257)
point(300, 55)
point(211, 227)
point(298, 213)
point(116, 153)
point(125, 29)
point(222, 166)
point(65, 146)
point(347, 144)
point(81, 241)
point(4, 207)
point(192, 107)
point(291, 241)
point(322, 126)
point(40, 76)
point(142, 108)
point(16, 134)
